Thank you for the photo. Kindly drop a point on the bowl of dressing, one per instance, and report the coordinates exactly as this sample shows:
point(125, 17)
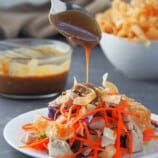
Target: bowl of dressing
point(32, 68)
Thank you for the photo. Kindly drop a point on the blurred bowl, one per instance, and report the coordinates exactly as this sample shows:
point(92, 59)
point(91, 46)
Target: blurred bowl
point(133, 59)
point(32, 68)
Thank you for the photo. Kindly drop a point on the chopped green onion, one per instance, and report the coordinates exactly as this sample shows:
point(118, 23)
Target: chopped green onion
point(43, 134)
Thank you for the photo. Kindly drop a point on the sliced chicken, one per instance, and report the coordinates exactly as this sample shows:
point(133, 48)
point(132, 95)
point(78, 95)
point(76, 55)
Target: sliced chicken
point(136, 133)
point(108, 137)
point(58, 147)
point(30, 137)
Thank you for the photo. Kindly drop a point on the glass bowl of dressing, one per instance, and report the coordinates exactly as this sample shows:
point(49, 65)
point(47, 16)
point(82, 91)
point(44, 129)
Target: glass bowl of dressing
point(32, 68)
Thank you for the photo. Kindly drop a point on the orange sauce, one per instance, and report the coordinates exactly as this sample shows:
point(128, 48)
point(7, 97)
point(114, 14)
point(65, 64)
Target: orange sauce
point(88, 51)
point(33, 85)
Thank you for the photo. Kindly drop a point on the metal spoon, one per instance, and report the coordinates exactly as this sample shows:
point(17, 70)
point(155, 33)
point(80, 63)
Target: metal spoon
point(75, 23)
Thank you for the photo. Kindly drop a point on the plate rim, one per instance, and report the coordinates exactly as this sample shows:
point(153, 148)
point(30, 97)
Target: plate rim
point(23, 151)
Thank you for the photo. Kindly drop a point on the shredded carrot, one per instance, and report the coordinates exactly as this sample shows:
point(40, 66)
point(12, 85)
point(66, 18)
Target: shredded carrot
point(63, 110)
point(105, 109)
point(70, 113)
point(87, 131)
point(47, 118)
point(149, 131)
point(38, 144)
point(29, 127)
point(147, 138)
point(149, 134)
point(81, 129)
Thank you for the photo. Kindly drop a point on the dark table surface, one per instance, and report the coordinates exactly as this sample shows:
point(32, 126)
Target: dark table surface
point(143, 91)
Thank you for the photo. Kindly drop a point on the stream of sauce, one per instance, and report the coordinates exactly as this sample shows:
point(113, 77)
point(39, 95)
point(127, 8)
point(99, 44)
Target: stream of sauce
point(79, 27)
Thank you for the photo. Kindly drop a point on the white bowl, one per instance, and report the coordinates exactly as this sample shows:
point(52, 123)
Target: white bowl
point(133, 59)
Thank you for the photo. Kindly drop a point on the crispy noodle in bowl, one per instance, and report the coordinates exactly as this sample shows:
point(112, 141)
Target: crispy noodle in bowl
point(130, 37)
point(137, 20)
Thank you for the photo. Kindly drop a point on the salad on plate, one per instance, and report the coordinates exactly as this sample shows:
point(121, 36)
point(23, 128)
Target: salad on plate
point(88, 121)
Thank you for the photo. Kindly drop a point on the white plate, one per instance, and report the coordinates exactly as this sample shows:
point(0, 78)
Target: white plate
point(13, 132)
